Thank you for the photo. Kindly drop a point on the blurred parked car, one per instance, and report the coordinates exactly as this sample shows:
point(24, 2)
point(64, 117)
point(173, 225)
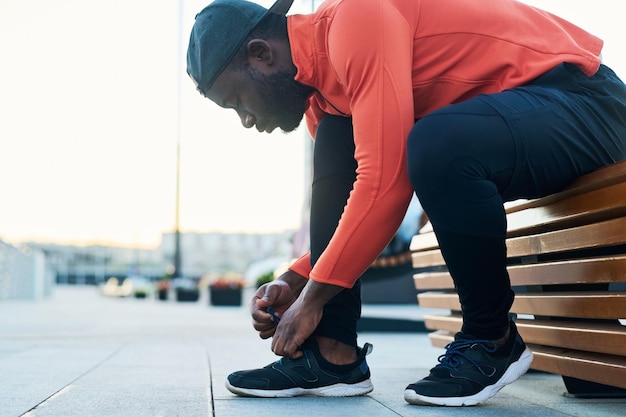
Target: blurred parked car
point(111, 288)
point(131, 286)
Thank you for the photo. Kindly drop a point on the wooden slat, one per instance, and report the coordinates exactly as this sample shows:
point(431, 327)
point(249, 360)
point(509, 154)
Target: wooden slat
point(450, 323)
point(433, 281)
point(446, 300)
point(603, 177)
point(596, 205)
point(603, 369)
point(600, 368)
point(604, 338)
point(440, 338)
point(597, 196)
point(600, 191)
point(427, 258)
point(424, 241)
point(597, 305)
point(587, 336)
point(607, 233)
point(581, 271)
point(584, 271)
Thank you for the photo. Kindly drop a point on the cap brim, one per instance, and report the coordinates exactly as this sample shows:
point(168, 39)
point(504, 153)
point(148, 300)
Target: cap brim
point(281, 7)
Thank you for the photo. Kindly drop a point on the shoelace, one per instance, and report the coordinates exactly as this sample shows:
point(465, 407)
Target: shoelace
point(271, 311)
point(455, 353)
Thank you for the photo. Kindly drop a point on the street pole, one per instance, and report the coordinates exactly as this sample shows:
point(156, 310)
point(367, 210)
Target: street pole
point(177, 249)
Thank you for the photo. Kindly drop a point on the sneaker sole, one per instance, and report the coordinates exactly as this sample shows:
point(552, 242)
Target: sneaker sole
point(335, 390)
point(515, 370)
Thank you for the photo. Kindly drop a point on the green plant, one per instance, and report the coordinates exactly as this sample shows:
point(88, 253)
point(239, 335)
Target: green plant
point(265, 278)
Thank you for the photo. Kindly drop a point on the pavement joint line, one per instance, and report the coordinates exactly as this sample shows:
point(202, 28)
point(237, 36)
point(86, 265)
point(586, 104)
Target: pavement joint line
point(69, 384)
point(386, 406)
point(211, 390)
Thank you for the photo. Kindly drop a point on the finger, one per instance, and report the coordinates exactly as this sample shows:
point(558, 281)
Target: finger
point(269, 297)
point(262, 316)
point(263, 326)
point(266, 330)
point(275, 344)
point(257, 296)
point(292, 350)
point(266, 334)
point(282, 347)
point(278, 343)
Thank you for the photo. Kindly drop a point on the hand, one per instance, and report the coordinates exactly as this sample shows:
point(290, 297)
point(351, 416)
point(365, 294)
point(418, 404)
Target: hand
point(296, 325)
point(302, 318)
point(280, 294)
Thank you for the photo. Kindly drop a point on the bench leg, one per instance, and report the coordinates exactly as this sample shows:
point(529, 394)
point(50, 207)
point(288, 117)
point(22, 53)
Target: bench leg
point(579, 388)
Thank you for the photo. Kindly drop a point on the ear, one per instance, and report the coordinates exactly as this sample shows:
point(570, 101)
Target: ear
point(260, 52)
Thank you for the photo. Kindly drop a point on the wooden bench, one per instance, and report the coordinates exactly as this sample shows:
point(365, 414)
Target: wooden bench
point(567, 263)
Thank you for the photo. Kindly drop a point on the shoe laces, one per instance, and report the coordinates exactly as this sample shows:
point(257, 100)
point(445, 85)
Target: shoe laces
point(455, 354)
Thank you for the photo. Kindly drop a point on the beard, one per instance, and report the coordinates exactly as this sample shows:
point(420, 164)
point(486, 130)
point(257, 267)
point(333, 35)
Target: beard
point(285, 99)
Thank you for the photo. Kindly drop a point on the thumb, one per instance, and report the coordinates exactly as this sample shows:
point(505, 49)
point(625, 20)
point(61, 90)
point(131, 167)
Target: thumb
point(271, 294)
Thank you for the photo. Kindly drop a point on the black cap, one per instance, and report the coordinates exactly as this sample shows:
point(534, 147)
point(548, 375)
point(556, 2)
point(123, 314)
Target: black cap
point(217, 34)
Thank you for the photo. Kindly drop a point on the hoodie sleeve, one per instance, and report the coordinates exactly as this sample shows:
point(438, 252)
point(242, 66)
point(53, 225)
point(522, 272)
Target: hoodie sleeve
point(370, 49)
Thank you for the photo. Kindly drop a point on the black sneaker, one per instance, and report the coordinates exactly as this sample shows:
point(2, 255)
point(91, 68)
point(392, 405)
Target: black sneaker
point(304, 376)
point(471, 371)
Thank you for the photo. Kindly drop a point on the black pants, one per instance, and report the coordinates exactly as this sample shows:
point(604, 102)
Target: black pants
point(465, 160)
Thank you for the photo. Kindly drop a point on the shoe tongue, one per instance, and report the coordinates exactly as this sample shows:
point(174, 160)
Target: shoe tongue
point(463, 336)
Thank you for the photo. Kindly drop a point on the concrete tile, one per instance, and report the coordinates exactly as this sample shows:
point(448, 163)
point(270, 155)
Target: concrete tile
point(80, 354)
point(30, 376)
point(303, 406)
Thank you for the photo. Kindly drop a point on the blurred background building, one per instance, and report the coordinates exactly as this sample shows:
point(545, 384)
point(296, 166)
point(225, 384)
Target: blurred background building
point(30, 269)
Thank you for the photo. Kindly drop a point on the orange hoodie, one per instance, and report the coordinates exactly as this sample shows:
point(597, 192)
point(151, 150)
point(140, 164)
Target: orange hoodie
point(386, 63)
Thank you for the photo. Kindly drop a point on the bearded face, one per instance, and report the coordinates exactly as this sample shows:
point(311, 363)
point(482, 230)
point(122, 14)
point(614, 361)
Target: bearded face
point(284, 100)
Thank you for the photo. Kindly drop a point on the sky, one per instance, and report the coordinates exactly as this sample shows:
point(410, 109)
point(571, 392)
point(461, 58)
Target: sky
point(94, 101)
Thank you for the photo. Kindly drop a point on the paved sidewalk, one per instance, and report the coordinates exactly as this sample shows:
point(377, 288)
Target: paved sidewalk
point(81, 354)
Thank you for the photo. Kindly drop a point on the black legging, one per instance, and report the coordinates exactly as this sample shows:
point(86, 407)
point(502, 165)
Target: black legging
point(464, 161)
point(334, 173)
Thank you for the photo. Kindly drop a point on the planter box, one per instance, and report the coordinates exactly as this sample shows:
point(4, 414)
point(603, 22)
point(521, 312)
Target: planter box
point(225, 296)
point(162, 295)
point(187, 295)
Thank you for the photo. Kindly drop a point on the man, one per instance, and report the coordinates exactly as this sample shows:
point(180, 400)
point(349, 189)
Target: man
point(468, 103)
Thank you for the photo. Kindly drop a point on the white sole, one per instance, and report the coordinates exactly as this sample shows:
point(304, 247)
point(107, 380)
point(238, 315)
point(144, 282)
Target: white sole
point(336, 390)
point(516, 369)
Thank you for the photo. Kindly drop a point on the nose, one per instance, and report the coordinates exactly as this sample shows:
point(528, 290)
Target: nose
point(247, 120)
